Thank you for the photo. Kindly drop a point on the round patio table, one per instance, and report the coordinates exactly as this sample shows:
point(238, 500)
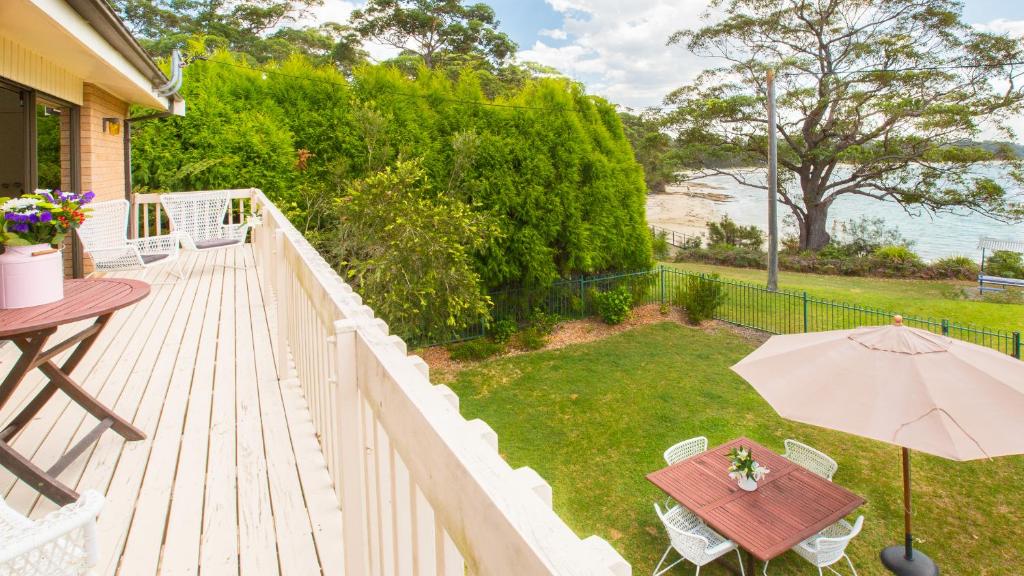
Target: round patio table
point(30, 329)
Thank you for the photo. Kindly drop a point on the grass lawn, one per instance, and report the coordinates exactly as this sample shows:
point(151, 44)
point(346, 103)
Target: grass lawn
point(923, 298)
point(594, 418)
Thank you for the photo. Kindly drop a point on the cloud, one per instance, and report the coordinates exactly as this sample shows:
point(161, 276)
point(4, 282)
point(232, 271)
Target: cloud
point(557, 34)
point(1003, 26)
point(619, 50)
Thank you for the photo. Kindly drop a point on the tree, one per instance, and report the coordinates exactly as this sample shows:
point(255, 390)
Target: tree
point(878, 98)
point(653, 149)
point(409, 252)
point(258, 28)
point(436, 30)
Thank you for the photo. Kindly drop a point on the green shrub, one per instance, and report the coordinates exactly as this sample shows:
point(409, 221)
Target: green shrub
point(543, 322)
point(473, 350)
point(1006, 264)
point(700, 296)
point(730, 233)
point(503, 330)
point(692, 243)
point(613, 306)
point(862, 237)
point(660, 246)
point(955, 267)
point(897, 254)
point(530, 338)
point(639, 288)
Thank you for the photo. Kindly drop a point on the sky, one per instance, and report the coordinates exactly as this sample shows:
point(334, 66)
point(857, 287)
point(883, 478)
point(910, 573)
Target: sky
point(617, 47)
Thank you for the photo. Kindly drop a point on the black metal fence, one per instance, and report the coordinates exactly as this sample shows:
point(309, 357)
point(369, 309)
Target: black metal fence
point(745, 304)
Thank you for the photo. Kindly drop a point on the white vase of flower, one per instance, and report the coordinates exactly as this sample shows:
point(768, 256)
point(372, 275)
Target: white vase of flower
point(31, 269)
point(744, 469)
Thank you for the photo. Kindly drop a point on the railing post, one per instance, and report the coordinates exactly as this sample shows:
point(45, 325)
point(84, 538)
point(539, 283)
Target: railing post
point(281, 292)
point(1016, 345)
point(350, 448)
point(945, 327)
point(805, 311)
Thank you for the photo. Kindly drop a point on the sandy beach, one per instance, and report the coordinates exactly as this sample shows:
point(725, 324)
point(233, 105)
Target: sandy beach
point(687, 207)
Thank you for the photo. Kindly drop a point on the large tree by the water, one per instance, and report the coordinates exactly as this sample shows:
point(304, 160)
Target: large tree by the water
point(878, 98)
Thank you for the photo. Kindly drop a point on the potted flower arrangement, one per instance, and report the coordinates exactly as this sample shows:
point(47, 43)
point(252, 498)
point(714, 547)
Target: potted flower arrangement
point(31, 268)
point(744, 469)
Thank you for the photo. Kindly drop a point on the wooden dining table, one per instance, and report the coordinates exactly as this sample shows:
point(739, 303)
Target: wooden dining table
point(30, 329)
point(789, 505)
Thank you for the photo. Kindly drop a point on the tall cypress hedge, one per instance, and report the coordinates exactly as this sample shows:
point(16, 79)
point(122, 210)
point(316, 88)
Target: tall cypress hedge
point(551, 164)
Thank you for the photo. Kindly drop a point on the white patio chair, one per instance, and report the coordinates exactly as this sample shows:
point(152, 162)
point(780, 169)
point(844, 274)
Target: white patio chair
point(828, 546)
point(198, 217)
point(692, 540)
point(104, 236)
point(811, 458)
point(63, 543)
point(686, 449)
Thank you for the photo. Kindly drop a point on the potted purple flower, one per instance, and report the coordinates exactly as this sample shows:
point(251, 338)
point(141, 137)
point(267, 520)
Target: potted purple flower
point(32, 228)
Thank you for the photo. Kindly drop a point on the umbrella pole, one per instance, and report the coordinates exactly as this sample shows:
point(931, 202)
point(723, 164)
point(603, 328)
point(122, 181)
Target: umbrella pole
point(903, 560)
point(907, 521)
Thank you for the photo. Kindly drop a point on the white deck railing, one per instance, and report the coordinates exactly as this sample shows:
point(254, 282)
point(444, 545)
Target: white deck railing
point(422, 491)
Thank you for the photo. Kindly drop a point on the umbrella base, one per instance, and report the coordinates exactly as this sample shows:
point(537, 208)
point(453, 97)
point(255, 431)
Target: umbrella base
point(894, 558)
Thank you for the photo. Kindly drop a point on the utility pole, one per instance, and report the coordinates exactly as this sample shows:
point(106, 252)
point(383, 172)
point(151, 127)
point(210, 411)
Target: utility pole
point(773, 184)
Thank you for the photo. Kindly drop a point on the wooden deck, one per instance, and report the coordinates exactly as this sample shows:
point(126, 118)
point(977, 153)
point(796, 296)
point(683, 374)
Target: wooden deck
point(231, 478)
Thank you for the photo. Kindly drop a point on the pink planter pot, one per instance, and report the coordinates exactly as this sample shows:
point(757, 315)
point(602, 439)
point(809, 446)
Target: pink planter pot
point(27, 280)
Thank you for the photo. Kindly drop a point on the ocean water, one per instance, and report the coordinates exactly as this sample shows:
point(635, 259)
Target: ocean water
point(933, 235)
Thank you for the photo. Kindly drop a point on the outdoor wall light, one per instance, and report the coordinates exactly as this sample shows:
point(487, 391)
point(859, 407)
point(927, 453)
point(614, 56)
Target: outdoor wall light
point(112, 126)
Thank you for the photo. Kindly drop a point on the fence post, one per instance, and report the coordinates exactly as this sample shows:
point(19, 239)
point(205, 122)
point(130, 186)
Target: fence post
point(945, 327)
point(583, 299)
point(662, 284)
point(280, 281)
point(805, 311)
point(1016, 345)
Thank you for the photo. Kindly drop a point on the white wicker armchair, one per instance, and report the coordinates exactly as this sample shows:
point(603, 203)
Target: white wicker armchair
point(104, 236)
point(828, 546)
point(692, 540)
point(63, 543)
point(811, 458)
point(198, 217)
point(686, 449)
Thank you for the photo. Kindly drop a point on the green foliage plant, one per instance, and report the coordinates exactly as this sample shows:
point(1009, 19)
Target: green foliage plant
point(660, 246)
point(700, 296)
point(729, 233)
point(956, 267)
point(415, 270)
point(502, 331)
point(1006, 264)
point(475, 350)
point(613, 306)
point(530, 338)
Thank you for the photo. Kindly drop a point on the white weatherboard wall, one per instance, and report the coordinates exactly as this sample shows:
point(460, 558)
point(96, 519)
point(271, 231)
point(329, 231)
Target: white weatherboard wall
point(422, 490)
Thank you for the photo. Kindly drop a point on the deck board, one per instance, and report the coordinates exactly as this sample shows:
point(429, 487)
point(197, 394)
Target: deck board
point(230, 479)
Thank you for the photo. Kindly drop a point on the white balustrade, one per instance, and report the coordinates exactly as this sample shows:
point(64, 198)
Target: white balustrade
point(422, 491)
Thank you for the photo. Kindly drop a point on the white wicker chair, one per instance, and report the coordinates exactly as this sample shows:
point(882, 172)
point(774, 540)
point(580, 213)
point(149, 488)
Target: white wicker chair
point(828, 546)
point(692, 540)
point(814, 460)
point(686, 449)
point(198, 217)
point(63, 543)
point(104, 236)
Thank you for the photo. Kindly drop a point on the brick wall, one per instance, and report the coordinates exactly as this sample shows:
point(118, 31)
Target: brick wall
point(102, 153)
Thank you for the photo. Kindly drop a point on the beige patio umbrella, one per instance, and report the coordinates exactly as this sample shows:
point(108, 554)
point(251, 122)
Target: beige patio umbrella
point(900, 385)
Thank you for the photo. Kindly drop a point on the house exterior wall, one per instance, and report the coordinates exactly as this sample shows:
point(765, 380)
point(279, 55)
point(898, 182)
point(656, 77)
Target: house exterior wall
point(102, 154)
point(24, 66)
